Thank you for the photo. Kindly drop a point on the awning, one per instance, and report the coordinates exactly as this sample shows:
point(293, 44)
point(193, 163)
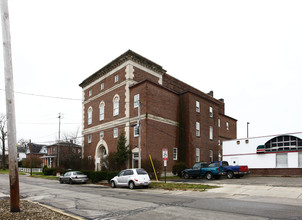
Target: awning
point(260, 149)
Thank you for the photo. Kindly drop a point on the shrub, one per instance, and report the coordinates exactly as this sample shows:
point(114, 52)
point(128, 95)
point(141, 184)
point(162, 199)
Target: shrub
point(97, 176)
point(111, 174)
point(146, 164)
point(178, 167)
point(50, 171)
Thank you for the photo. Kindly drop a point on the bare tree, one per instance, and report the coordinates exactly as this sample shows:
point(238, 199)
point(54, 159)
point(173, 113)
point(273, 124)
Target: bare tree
point(72, 136)
point(3, 135)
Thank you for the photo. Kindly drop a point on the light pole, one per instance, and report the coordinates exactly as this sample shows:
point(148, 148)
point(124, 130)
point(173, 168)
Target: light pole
point(247, 129)
point(139, 136)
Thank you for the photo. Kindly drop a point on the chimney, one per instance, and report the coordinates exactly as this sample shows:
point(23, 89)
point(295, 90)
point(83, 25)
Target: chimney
point(211, 93)
point(222, 100)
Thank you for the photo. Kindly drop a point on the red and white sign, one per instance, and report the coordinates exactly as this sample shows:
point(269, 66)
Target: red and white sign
point(165, 154)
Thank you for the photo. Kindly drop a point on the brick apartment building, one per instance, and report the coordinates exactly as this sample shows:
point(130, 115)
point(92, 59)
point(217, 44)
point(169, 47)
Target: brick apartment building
point(173, 115)
point(63, 150)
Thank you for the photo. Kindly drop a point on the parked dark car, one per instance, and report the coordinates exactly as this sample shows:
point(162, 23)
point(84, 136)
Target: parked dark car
point(73, 177)
point(202, 169)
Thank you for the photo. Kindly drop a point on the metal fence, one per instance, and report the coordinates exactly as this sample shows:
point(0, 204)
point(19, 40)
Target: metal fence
point(27, 170)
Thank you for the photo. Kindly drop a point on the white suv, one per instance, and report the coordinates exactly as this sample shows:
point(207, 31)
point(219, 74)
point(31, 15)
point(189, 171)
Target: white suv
point(131, 178)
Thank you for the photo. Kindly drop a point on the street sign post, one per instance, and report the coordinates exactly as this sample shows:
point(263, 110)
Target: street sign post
point(165, 159)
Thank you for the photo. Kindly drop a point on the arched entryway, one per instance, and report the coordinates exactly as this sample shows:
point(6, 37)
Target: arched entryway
point(101, 153)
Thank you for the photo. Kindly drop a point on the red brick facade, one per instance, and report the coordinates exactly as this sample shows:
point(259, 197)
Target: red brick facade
point(167, 113)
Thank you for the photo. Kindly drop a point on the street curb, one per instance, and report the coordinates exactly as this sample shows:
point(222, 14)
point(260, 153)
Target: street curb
point(56, 210)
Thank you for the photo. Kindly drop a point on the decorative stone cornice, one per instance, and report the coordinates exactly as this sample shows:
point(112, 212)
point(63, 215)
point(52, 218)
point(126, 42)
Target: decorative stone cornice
point(128, 55)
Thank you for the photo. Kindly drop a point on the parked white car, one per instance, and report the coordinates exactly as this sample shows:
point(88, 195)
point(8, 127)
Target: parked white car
point(73, 177)
point(131, 178)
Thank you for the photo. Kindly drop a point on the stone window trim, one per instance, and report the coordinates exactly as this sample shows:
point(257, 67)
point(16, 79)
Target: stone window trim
point(89, 112)
point(102, 110)
point(116, 100)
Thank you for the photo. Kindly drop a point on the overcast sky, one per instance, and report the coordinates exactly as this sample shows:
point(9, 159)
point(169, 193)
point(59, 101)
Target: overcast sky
point(247, 52)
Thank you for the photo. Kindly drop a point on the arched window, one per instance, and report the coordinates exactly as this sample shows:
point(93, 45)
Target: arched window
point(116, 100)
point(90, 115)
point(102, 110)
point(283, 143)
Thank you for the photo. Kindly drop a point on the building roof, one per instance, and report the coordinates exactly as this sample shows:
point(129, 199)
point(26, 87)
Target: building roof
point(128, 55)
point(35, 148)
point(66, 143)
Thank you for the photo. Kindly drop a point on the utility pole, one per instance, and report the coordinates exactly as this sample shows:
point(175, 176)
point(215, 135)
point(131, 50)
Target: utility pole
point(247, 129)
point(58, 162)
point(31, 158)
point(10, 110)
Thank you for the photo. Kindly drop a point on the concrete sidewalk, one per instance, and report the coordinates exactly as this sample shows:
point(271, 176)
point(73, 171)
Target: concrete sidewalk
point(258, 190)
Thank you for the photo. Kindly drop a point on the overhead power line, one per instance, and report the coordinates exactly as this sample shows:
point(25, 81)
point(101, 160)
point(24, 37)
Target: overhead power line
point(45, 96)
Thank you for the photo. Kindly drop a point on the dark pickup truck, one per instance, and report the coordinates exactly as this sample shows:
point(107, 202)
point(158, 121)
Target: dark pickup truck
point(231, 171)
point(202, 169)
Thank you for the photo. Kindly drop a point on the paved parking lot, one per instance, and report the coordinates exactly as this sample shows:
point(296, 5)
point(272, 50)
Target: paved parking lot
point(252, 180)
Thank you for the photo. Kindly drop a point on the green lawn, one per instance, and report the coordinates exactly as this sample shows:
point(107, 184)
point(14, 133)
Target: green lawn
point(181, 186)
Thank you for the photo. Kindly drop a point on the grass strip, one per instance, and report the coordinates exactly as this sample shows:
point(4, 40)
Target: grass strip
point(181, 186)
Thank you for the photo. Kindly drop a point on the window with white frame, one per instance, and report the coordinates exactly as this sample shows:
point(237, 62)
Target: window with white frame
point(136, 131)
point(115, 132)
point(219, 142)
point(115, 78)
point(211, 133)
point(219, 122)
point(281, 160)
point(197, 129)
point(219, 156)
point(116, 105)
point(90, 92)
point(175, 153)
point(102, 111)
point(211, 112)
point(197, 106)
point(136, 100)
point(211, 155)
point(197, 154)
point(101, 134)
point(102, 86)
point(89, 138)
point(227, 125)
point(90, 115)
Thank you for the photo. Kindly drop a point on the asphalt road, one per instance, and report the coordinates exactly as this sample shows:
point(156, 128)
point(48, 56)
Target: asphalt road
point(95, 202)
